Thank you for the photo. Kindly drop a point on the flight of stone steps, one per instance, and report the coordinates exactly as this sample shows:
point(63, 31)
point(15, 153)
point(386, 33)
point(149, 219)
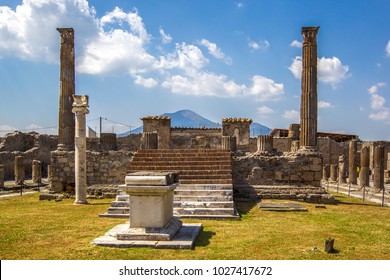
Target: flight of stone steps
point(205, 177)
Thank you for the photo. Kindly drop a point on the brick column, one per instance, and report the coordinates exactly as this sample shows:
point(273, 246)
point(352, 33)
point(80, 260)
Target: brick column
point(364, 174)
point(36, 172)
point(379, 164)
point(80, 108)
point(19, 169)
point(66, 122)
point(352, 172)
point(309, 107)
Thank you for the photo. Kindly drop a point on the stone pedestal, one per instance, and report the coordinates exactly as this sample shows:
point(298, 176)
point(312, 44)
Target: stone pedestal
point(342, 170)
point(36, 172)
point(1, 175)
point(364, 174)
point(309, 106)
point(265, 144)
point(149, 140)
point(379, 171)
point(333, 173)
point(352, 167)
point(19, 169)
point(80, 108)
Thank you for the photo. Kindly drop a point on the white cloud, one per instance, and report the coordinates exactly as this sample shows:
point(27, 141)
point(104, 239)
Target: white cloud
point(240, 5)
point(265, 89)
point(166, 38)
point(381, 116)
point(5, 128)
point(264, 110)
point(215, 51)
point(374, 89)
point(377, 102)
point(324, 105)
point(296, 44)
point(291, 115)
point(146, 82)
point(330, 70)
point(261, 45)
point(388, 48)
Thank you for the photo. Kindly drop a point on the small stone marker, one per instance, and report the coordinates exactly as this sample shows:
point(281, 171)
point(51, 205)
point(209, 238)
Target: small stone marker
point(329, 243)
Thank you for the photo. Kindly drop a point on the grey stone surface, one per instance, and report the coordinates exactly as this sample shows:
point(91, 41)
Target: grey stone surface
point(281, 207)
point(184, 239)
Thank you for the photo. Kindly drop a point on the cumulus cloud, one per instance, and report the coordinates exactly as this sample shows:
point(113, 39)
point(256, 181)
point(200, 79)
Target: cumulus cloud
point(117, 44)
point(264, 110)
point(292, 115)
point(166, 38)
point(296, 44)
point(260, 45)
point(239, 5)
point(377, 103)
point(324, 105)
point(330, 70)
point(215, 51)
point(388, 48)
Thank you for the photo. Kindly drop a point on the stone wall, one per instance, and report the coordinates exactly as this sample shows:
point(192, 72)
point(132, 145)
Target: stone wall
point(289, 169)
point(282, 144)
point(196, 138)
point(102, 168)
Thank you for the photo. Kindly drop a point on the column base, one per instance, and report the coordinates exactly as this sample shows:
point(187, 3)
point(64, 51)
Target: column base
point(80, 202)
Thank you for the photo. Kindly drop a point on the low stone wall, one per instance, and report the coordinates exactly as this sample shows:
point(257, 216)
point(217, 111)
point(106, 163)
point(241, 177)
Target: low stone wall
point(102, 168)
point(289, 169)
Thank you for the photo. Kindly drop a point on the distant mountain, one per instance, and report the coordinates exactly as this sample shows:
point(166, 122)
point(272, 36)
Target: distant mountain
point(188, 118)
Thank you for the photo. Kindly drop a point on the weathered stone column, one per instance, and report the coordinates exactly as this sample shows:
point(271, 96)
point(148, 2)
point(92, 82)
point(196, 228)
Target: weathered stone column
point(49, 173)
point(265, 144)
point(325, 172)
point(309, 106)
point(1, 175)
point(229, 143)
point(149, 140)
point(80, 108)
point(364, 174)
point(66, 121)
point(352, 172)
point(379, 164)
point(36, 172)
point(333, 173)
point(293, 131)
point(19, 169)
point(342, 169)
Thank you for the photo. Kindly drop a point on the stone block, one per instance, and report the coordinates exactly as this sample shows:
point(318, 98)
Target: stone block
point(308, 176)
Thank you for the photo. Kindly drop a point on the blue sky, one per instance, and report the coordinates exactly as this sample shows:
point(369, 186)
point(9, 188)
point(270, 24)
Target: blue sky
point(218, 58)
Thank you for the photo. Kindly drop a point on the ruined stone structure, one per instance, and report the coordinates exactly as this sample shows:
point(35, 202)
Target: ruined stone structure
point(342, 170)
point(149, 141)
point(239, 128)
point(108, 142)
point(309, 100)
point(36, 172)
point(19, 170)
point(333, 173)
point(66, 121)
point(352, 166)
point(1, 175)
point(265, 144)
point(80, 109)
point(161, 125)
point(379, 162)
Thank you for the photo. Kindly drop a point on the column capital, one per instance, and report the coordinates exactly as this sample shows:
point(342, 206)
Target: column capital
point(80, 104)
point(309, 33)
point(67, 35)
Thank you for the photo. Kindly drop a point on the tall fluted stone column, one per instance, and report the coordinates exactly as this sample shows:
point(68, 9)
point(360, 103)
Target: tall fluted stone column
point(265, 144)
point(364, 174)
point(1, 175)
point(333, 173)
point(379, 164)
point(342, 169)
point(19, 169)
point(309, 107)
point(352, 172)
point(66, 121)
point(80, 108)
point(149, 140)
point(36, 172)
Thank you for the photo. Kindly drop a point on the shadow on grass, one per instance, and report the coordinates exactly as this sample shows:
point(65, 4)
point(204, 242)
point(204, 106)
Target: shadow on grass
point(245, 207)
point(204, 238)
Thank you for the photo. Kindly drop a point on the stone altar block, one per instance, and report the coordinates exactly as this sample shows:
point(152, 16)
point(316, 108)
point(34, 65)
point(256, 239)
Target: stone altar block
point(151, 222)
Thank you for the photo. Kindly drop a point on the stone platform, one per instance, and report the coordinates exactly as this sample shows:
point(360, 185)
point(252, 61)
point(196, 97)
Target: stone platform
point(282, 207)
point(184, 238)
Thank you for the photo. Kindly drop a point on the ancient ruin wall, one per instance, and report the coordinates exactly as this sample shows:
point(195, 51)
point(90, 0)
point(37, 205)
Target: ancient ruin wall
point(102, 168)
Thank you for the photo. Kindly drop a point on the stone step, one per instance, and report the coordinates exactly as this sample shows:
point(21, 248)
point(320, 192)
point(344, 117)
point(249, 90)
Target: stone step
point(204, 211)
point(204, 192)
point(118, 210)
point(203, 204)
point(169, 157)
point(206, 198)
point(122, 197)
point(204, 187)
point(180, 163)
point(151, 167)
point(120, 203)
point(206, 181)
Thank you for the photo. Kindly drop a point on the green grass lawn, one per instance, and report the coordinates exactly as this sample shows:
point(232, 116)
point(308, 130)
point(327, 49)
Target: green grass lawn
point(31, 229)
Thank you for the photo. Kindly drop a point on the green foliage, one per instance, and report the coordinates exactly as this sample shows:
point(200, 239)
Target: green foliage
point(32, 229)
